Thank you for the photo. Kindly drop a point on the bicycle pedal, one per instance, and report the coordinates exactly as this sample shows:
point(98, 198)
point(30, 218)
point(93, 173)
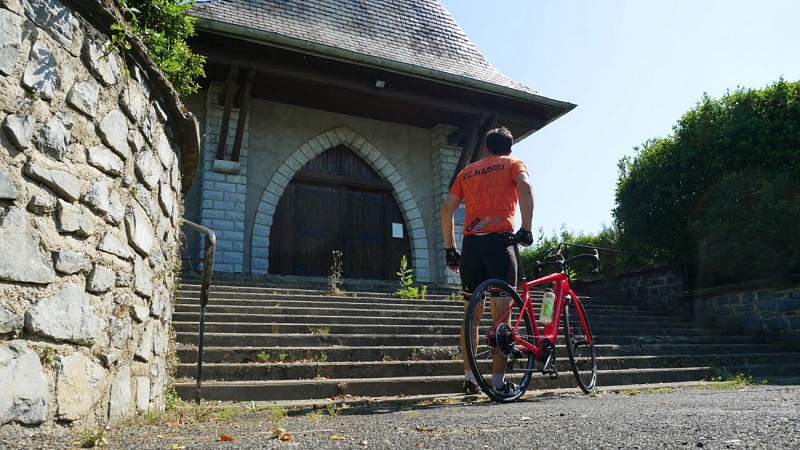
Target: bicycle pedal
point(550, 371)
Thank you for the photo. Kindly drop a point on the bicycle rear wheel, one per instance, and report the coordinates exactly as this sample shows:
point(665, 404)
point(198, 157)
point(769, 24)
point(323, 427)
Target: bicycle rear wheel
point(499, 338)
point(581, 352)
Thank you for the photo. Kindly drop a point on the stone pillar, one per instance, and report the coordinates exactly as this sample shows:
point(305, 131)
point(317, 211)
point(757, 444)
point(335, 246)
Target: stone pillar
point(445, 160)
point(224, 187)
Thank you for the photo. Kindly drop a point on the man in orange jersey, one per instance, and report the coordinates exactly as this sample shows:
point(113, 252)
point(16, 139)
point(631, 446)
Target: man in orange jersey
point(490, 189)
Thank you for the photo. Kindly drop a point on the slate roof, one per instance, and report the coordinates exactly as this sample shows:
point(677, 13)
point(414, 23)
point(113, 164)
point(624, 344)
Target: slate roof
point(418, 34)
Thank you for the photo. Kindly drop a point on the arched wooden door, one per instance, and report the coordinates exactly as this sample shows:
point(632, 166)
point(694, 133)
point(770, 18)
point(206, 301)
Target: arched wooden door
point(337, 202)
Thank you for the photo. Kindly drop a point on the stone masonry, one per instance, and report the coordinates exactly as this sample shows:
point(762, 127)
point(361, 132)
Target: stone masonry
point(90, 209)
point(224, 188)
point(767, 307)
point(445, 160)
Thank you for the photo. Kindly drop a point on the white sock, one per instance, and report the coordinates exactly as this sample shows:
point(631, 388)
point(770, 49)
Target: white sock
point(469, 376)
point(498, 380)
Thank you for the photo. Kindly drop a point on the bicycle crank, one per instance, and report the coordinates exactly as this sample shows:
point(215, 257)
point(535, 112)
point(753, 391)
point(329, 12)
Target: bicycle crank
point(549, 366)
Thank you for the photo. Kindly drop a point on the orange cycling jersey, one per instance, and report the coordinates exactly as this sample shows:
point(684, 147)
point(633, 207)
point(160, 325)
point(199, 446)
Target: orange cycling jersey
point(489, 189)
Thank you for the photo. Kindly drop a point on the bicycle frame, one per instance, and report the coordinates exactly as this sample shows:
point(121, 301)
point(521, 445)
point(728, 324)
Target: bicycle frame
point(517, 335)
point(550, 331)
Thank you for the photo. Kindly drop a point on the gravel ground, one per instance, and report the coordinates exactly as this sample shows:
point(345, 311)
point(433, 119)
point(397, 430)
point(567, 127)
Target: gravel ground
point(755, 416)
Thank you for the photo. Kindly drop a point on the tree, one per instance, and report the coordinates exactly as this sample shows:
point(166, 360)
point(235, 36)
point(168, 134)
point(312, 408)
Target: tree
point(164, 26)
point(606, 241)
point(722, 191)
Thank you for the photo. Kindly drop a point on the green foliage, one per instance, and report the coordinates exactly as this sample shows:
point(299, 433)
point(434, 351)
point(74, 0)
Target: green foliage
point(335, 275)
point(763, 218)
point(333, 409)
point(607, 239)
point(172, 399)
point(92, 438)
point(229, 414)
point(722, 190)
point(48, 356)
point(163, 26)
point(738, 381)
point(277, 413)
point(407, 289)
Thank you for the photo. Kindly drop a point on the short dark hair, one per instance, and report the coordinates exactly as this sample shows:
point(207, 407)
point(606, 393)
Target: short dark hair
point(499, 140)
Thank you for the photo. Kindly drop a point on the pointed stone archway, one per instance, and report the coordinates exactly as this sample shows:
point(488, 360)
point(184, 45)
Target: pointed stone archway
point(262, 226)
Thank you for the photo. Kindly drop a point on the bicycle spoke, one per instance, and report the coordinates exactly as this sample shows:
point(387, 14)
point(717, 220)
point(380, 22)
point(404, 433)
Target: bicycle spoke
point(500, 342)
point(577, 335)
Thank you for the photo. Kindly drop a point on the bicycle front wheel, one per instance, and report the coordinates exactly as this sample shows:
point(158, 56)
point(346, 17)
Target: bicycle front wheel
point(499, 339)
point(580, 345)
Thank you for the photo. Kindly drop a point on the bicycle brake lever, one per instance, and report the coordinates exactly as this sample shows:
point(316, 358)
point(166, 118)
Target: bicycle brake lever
point(597, 259)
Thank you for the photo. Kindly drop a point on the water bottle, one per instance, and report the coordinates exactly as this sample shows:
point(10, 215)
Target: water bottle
point(546, 315)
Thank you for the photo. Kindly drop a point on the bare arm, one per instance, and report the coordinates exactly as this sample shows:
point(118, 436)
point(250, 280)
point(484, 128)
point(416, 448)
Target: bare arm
point(448, 209)
point(525, 194)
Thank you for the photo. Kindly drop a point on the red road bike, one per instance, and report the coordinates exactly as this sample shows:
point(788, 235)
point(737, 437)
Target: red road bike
point(517, 336)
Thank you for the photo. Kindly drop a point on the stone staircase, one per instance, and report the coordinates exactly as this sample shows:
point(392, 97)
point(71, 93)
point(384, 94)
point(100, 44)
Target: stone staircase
point(289, 341)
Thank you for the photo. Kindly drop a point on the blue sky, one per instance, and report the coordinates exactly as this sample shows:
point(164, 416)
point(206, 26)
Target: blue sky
point(633, 68)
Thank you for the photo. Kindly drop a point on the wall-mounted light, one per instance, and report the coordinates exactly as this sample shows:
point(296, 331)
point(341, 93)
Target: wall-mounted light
point(380, 83)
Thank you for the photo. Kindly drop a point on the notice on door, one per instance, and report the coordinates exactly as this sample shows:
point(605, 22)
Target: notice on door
point(397, 230)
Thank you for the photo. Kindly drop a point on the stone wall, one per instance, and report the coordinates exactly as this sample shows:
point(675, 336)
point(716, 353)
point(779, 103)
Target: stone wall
point(655, 288)
point(769, 307)
point(91, 149)
point(763, 307)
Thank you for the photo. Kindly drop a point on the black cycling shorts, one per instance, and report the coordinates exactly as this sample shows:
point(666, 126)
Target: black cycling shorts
point(487, 256)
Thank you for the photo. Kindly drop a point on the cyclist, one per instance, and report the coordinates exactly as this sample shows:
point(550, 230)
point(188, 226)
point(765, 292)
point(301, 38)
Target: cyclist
point(490, 189)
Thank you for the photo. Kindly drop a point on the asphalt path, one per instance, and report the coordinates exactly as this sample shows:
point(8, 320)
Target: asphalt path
point(753, 416)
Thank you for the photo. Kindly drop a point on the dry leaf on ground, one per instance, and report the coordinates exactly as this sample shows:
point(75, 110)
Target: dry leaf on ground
point(286, 437)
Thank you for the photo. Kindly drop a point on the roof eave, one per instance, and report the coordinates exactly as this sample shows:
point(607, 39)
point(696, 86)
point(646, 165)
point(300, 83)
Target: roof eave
point(309, 47)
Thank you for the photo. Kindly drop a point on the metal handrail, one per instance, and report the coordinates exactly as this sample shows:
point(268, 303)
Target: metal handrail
point(210, 248)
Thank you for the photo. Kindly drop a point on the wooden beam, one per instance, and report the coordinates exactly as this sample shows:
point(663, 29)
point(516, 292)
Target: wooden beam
point(462, 159)
point(487, 125)
point(245, 102)
point(222, 56)
point(226, 114)
point(339, 180)
point(464, 131)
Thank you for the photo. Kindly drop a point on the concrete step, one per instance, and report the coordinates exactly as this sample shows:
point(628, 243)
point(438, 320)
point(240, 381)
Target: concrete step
point(400, 327)
point(255, 313)
point(287, 340)
point(190, 294)
point(281, 339)
point(311, 340)
point(188, 354)
point(311, 369)
point(704, 348)
point(760, 370)
point(323, 389)
point(376, 320)
point(289, 282)
point(355, 309)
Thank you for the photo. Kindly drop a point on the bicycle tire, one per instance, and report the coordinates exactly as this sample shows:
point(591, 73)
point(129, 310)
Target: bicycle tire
point(519, 368)
point(582, 356)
